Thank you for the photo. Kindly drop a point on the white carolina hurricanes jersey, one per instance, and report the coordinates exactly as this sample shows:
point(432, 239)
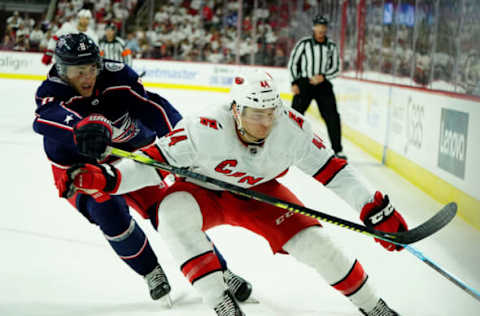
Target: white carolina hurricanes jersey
point(67, 28)
point(208, 144)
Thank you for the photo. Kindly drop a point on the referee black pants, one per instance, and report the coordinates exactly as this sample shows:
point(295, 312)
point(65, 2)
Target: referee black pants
point(327, 106)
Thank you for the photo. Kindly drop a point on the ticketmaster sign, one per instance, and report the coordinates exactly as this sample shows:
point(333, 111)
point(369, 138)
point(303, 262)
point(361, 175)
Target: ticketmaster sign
point(453, 142)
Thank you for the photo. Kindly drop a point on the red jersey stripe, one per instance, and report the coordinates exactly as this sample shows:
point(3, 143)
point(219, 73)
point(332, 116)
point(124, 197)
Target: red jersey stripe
point(330, 170)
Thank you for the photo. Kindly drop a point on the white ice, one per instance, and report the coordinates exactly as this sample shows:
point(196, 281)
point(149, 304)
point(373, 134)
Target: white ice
point(53, 262)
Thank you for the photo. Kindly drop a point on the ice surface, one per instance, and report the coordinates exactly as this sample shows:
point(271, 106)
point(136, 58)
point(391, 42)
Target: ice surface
point(53, 262)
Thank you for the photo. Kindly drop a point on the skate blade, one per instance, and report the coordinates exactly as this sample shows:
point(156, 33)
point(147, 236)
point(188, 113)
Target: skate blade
point(166, 301)
point(251, 300)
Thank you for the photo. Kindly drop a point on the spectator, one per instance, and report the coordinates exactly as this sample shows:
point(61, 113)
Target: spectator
point(215, 56)
point(22, 38)
point(132, 44)
point(15, 20)
point(120, 14)
point(8, 42)
point(161, 16)
point(29, 22)
point(44, 42)
point(70, 11)
point(21, 42)
point(280, 59)
point(36, 36)
point(163, 53)
point(77, 5)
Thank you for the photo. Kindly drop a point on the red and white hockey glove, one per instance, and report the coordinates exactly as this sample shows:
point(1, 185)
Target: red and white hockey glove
point(381, 215)
point(96, 180)
point(92, 135)
point(47, 57)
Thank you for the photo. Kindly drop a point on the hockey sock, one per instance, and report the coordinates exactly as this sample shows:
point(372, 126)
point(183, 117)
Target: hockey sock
point(123, 233)
point(313, 247)
point(190, 246)
point(357, 288)
point(205, 273)
point(133, 248)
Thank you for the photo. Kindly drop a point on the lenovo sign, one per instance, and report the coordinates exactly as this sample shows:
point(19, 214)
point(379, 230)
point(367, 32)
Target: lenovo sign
point(452, 151)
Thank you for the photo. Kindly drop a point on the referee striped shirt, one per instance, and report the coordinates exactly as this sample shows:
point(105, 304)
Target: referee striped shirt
point(309, 58)
point(115, 50)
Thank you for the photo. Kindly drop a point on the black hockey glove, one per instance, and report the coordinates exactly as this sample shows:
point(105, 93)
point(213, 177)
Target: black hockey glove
point(92, 135)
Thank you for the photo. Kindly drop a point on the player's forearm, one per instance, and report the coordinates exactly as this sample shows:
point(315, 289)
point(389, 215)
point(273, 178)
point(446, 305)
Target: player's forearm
point(351, 187)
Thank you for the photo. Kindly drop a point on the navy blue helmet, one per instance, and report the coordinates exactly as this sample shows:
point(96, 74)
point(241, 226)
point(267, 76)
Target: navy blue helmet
point(76, 49)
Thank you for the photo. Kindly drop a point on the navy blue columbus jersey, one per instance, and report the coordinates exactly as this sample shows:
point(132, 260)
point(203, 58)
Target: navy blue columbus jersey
point(137, 115)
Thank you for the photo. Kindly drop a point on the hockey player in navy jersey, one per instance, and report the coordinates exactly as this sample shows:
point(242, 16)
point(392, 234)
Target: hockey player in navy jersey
point(85, 104)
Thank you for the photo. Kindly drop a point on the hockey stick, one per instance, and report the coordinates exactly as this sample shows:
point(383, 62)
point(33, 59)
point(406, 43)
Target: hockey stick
point(470, 290)
point(439, 220)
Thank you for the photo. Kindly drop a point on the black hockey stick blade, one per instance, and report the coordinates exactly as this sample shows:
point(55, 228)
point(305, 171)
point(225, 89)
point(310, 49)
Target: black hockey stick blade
point(431, 226)
point(438, 221)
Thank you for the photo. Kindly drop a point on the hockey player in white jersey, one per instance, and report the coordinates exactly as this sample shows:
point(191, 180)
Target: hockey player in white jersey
point(78, 25)
point(250, 143)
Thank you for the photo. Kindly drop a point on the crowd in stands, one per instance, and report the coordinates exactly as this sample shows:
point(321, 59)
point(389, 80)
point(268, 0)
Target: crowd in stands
point(181, 30)
point(417, 43)
point(206, 31)
point(23, 33)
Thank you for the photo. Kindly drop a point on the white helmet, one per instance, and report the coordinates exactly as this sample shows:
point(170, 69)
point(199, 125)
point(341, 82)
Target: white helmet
point(84, 13)
point(255, 89)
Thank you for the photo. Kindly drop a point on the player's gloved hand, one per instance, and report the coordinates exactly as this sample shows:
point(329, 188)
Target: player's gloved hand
point(381, 215)
point(92, 135)
point(64, 184)
point(95, 180)
point(47, 57)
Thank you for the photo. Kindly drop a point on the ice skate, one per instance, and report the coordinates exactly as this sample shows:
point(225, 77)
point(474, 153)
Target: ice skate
point(158, 284)
point(228, 306)
point(381, 309)
point(238, 286)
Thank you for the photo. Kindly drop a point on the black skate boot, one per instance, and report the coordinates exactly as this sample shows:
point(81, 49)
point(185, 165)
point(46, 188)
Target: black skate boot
point(228, 306)
point(381, 309)
point(238, 286)
point(157, 283)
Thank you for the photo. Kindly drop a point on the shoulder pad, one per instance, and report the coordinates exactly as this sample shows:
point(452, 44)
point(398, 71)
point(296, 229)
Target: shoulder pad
point(114, 67)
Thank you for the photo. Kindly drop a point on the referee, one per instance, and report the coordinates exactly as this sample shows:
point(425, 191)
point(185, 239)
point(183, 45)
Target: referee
point(113, 47)
point(313, 63)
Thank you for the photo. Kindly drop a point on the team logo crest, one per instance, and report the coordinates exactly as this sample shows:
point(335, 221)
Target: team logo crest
point(114, 67)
